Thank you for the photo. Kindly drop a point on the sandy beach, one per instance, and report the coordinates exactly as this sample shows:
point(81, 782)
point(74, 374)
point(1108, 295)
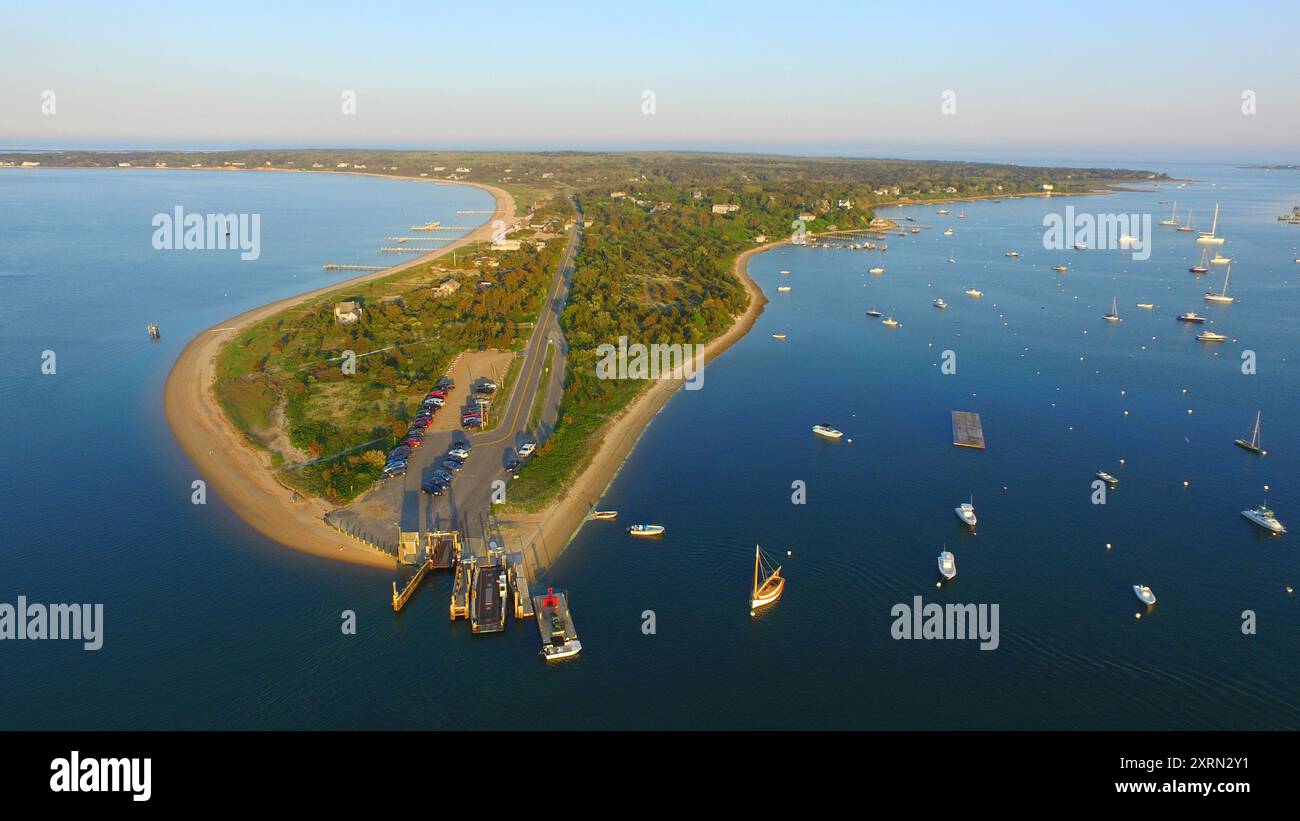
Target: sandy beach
point(544, 535)
point(240, 473)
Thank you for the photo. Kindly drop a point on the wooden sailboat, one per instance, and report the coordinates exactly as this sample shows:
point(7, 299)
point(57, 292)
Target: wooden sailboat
point(1253, 444)
point(767, 589)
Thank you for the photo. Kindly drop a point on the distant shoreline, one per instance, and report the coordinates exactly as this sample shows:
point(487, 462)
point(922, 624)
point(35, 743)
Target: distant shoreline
point(240, 474)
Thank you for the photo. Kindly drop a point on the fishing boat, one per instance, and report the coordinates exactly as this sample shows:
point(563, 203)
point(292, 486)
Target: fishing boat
point(1107, 478)
point(1146, 306)
point(1264, 517)
point(646, 530)
point(778, 336)
point(966, 512)
point(559, 638)
point(1191, 316)
point(1187, 227)
point(939, 303)
point(767, 590)
point(604, 515)
point(1060, 268)
point(1210, 238)
point(1221, 297)
point(1202, 266)
point(890, 322)
point(1011, 254)
point(827, 431)
point(1113, 316)
point(974, 292)
point(783, 288)
point(1210, 336)
point(876, 270)
point(873, 313)
point(947, 565)
point(1172, 222)
point(1144, 594)
point(1253, 445)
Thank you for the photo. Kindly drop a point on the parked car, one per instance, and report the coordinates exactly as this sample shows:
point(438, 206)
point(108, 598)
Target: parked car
point(512, 466)
point(443, 475)
point(453, 465)
point(433, 487)
point(395, 469)
point(526, 449)
point(459, 453)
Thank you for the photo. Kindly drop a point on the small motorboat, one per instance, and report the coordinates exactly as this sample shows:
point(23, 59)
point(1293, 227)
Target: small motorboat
point(1146, 306)
point(604, 515)
point(940, 304)
point(966, 512)
point(947, 565)
point(876, 270)
point(783, 288)
point(1191, 316)
point(1264, 517)
point(778, 336)
point(1107, 478)
point(1144, 594)
point(1060, 268)
point(890, 322)
point(1211, 336)
point(646, 530)
point(827, 431)
point(873, 313)
point(1012, 254)
point(976, 292)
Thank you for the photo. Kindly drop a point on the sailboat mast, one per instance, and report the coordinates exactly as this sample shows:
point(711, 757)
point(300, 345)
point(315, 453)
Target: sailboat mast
point(754, 591)
point(1225, 280)
point(1254, 438)
point(1214, 226)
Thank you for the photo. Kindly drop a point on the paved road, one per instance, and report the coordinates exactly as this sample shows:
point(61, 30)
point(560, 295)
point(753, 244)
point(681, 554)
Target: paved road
point(465, 506)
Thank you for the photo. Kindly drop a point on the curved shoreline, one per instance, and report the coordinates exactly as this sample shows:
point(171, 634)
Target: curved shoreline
point(545, 534)
point(239, 473)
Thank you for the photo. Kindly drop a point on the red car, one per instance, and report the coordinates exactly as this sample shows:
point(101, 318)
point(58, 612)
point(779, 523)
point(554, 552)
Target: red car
point(436, 395)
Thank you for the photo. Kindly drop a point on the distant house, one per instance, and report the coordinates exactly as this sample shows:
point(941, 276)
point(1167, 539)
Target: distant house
point(548, 175)
point(342, 165)
point(806, 217)
point(124, 165)
point(440, 168)
point(725, 208)
point(462, 169)
point(346, 313)
point(447, 287)
point(617, 195)
point(760, 239)
point(506, 245)
point(847, 205)
point(30, 164)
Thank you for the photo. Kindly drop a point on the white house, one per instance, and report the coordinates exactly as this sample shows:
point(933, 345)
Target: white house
point(347, 313)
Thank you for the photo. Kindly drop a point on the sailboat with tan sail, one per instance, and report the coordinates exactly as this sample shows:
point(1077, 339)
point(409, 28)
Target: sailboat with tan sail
point(768, 584)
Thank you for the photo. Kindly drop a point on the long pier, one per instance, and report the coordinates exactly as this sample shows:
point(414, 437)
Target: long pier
point(339, 266)
point(388, 249)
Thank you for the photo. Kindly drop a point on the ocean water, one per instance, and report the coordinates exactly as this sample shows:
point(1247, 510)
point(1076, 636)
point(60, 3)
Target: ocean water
point(208, 624)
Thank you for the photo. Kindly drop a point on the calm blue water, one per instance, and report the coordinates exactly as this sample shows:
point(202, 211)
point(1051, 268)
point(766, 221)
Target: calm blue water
point(211, 625)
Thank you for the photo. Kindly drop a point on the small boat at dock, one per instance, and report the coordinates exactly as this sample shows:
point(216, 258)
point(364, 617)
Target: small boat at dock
point(1144, 594)
point(768, 585)
point(555, 623)
point(1253, 445)
point(646, 530)
point(604, 515)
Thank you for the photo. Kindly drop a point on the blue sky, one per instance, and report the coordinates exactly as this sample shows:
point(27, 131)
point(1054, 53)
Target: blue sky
point(1031, 80)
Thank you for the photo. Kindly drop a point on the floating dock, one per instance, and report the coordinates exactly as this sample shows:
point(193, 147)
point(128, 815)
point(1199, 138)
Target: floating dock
point(967, 432)
point(519, 582)
point(488, 588)
point(555, 624)
point(460, 590)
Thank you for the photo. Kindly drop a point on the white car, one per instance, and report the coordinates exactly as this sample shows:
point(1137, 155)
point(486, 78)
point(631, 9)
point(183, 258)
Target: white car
point(526, 449)
point(459, 453)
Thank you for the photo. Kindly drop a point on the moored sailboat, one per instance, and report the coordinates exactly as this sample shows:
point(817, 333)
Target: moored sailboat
point(1211, 238)
point(767, 590)
point(1113, 316)
point(1253, 445)
point(1221, 297)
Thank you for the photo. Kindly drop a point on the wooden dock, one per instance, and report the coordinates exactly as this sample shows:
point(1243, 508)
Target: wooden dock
point(442, 547)
point(519, 582)
point(967, 432)
point(460, 590)
point(401, 597)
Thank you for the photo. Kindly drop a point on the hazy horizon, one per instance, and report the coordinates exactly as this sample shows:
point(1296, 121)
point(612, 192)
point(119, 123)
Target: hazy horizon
point(1001, 84)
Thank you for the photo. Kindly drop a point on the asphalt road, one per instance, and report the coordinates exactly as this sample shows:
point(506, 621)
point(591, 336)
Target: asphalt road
point(466, 504)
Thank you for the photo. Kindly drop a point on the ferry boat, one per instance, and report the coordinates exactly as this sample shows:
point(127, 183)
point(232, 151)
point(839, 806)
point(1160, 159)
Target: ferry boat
point(1107, 478)
point(1210, 238)
point(947, 565)
point(1060, 268)
point(1172, 222)
point(768, 585)
point(604, 515)
point(1221, 297)
point(1191, 316)
point(876, 270)
point(1113, 316)
point(966, 512)
point(783, 288)
point(1264, 517)
point(1211, 336)
point(646, 530)
point(827, 431)
point(1144, 594)
point(1011, 254)
point(939, 303)
point(1146, 306)
point(974, 292)
point(890, 322)
point(1253, 444)
point(873, 313)
point(1201, 267)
